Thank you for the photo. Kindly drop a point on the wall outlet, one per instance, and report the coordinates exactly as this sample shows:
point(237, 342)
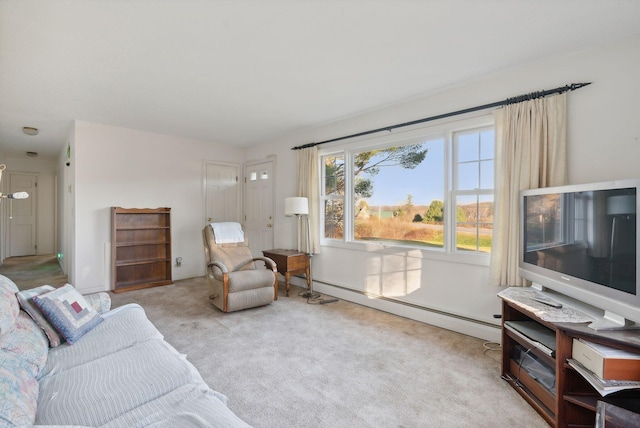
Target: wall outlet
point(178, 261)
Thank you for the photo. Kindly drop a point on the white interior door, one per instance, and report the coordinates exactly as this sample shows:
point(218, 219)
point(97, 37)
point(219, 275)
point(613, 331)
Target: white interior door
point(22, 215)
point(222, 193)
point(259, 205)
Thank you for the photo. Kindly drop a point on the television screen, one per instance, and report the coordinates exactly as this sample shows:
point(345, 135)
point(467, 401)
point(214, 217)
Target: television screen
point(588, 234)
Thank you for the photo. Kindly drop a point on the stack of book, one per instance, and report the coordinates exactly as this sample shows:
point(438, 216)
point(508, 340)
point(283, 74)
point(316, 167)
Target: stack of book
point(607, 369)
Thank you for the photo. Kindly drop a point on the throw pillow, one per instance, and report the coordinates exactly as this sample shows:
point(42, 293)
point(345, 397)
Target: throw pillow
point(26, 303)
point(68, 311)
point(9, 307)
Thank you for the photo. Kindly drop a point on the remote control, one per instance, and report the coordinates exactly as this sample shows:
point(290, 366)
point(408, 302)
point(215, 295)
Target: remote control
point(547, 301)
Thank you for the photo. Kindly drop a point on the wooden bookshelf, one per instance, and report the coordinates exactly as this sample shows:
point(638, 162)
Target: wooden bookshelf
point(141, 248)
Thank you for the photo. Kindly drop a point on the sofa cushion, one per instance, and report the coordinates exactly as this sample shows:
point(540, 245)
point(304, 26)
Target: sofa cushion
point(125, 374)
point(121, 328)
point(117, 384)
point(191, 405)
point(28, 342)
point(68, 311)
point(9, 307)
point(18, 391)
point(243, 280)
point(25, 298)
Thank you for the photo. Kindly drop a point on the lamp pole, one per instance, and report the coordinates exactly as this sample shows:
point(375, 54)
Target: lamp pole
point(310, 294)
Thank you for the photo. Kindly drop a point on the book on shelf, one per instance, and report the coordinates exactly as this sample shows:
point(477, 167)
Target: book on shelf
point(603, 386)
point(606, 362)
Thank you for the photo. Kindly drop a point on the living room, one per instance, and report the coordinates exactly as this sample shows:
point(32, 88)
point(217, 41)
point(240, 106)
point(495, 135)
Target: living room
point(132, 164)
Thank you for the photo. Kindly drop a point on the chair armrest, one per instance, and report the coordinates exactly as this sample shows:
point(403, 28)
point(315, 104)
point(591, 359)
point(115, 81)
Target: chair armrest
point(267, 261)
point(220, 266)
point(101, 301)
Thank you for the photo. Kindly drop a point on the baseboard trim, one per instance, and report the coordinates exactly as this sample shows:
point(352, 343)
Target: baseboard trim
point(458, 323)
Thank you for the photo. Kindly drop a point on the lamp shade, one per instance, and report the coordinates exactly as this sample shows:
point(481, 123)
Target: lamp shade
point(296, 206)
point(622, 204)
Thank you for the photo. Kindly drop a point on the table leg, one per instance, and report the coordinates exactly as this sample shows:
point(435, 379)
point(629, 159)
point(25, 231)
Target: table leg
point(287, 277)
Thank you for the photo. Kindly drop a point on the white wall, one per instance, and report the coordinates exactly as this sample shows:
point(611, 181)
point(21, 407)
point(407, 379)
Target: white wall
point(603, 133)
point(135, 169)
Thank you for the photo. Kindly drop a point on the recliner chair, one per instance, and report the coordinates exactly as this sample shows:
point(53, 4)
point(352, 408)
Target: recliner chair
point(236, 279)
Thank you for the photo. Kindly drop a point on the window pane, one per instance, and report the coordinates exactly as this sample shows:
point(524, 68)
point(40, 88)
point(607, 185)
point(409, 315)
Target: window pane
point(394, 189)
point(333, 219)
point(486, 174)
point(474, 223)
point(334, 175)
point(468, 146)
point(487, 144)
point(468, 176)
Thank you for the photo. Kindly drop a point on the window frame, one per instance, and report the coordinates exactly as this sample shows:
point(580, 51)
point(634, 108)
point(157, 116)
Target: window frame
point(347, 149)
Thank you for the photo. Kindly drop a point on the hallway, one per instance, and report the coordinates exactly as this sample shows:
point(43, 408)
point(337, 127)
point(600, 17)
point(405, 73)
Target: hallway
point(32, 271)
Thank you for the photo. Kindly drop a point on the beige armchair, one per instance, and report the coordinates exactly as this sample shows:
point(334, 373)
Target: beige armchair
point(236, 279)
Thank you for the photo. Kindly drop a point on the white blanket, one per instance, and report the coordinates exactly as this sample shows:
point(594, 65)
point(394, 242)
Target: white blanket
point(228, 232)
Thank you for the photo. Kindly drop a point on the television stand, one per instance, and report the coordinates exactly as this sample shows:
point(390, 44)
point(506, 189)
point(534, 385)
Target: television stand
point(559, 393)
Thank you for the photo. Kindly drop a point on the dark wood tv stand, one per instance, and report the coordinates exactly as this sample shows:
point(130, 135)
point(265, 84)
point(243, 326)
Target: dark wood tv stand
point(574, 401)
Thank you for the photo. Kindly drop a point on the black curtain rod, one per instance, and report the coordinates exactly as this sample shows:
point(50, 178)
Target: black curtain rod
point(514, 100)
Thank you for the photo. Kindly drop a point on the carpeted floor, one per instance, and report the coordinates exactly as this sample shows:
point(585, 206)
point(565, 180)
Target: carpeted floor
point(32, 271)
point(291, 364)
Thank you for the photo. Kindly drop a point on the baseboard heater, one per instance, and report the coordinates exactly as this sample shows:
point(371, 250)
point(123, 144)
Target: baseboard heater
point(411, 305)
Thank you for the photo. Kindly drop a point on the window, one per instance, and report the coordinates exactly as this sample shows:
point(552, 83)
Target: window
point(473, 189)
point(396, 191)
point(333, 192)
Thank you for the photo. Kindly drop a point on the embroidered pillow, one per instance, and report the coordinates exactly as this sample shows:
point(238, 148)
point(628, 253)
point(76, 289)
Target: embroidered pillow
point(68, 311)
point(26, 303)
point(9, 307)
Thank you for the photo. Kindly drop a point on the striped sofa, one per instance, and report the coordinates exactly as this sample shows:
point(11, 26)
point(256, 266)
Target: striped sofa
point(119, 374)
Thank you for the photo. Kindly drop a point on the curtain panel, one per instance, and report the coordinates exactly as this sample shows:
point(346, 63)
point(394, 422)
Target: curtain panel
point(309, 187)
point(531, 152)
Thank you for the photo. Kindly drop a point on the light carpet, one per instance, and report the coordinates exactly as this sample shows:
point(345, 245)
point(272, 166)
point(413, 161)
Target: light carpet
point(292, 364)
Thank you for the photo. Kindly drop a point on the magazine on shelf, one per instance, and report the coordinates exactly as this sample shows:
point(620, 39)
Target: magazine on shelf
point(604, 387)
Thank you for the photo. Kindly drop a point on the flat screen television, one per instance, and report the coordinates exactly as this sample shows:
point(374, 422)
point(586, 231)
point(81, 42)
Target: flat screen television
point(581, 241)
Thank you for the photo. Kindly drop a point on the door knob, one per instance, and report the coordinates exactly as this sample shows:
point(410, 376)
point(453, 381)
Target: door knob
point(269, 225)
point(209, 219)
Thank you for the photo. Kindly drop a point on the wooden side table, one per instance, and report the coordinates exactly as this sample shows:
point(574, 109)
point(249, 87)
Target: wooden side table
point(290, 262)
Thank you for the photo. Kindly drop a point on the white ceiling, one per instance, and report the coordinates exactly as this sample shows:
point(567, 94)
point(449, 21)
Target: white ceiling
point(244, 72)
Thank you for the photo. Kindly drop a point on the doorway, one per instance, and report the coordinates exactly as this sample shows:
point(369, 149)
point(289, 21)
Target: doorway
point(21, 215)
point(222, 192)
point(259, 184)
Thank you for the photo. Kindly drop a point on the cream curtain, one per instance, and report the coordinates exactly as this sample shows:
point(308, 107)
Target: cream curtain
point(309, 187)
point(530, 153)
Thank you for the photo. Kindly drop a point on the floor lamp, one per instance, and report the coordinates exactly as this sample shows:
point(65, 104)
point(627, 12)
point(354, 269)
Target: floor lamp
point(299, 207)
